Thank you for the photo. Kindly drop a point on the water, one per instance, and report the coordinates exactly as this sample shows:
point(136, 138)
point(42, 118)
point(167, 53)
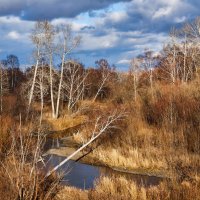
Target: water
point(75, 173)
point(83, 176)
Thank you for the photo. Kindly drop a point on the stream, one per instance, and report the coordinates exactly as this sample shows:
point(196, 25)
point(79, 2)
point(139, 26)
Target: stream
point(83, 176)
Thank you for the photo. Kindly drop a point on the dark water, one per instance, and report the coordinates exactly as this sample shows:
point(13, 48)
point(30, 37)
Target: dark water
point(83, 175)
point(75, 173)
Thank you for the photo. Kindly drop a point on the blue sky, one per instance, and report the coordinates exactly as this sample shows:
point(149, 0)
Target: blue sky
point(116, 30)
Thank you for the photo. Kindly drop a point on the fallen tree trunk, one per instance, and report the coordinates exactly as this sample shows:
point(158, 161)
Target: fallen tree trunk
point(99, 129)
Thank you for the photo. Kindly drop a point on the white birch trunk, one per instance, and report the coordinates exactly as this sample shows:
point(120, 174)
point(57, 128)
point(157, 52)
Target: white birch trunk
point(51, 90)
point(33, 85)
point(95, 135)
point(60, 86)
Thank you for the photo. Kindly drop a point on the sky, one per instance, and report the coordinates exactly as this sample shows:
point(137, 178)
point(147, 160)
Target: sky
point(116, 30)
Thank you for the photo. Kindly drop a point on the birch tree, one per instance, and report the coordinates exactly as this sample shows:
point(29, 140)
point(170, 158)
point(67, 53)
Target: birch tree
point(105, 70)
point(169, 63)
point(13, 65)
point(74, 84)
point(148, 63)
point(190, 35)
point(50, 34)
point(67, 43)
point(135, 70)
point(43, 85)
point(41, 88)
point(38, 40)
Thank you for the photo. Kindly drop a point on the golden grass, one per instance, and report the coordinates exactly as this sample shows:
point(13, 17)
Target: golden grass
point(149, 144)
point(5, 139)
point(119, 188)
point(134, 161)
point(66, 122)
point(71, 193)
point(116, 188)
point(143, 149)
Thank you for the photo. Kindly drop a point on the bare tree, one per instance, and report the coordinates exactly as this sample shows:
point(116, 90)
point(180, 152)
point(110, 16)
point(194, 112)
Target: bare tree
point(105, 70)
point(190, 37)
point(38, 39)
point(41, 88)
point(50, 34)
point(181, 59)
point(43, 37)
point(13, 64)
point(148, 63)
point(170, 63)
point(135, 70)
point(67, 44)
point(74, 83)
point(43, 85)
point(193, 31)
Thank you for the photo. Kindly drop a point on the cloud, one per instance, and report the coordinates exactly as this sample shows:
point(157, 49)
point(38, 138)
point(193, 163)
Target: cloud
point(92, 42)
point(124, 61)
point(117, 16)
point(154, 15)
point(116, 30)
point(13, 7)
point(162, 12)
point(15, 38)
point(45, 9)
point(88, 28)
point(13, 35)
point(180, 19)
point(10, 20)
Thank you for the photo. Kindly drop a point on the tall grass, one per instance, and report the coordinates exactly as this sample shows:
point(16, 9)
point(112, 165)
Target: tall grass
point(119, 188)
point(21, 176)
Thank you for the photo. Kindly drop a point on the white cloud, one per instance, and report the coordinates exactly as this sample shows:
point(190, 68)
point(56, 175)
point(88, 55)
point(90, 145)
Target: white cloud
point(59, 21)
point(119, 33)
point(124, 61)
point(15, 23)
point(162, 12)
point(90, 42)
point(10, 20)
point(117, 16)
point(180, 19)
point(161, 9)
point(13, 35)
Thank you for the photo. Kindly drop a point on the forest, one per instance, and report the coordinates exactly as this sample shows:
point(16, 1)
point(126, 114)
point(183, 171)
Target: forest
point(143, 121)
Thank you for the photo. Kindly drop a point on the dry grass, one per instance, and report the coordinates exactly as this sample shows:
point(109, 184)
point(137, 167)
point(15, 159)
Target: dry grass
point(66, 122)
point(21, 177)
point(134, 161)
point(5, 123)
point(116, 188)
point(119, 188)
point(154, 140)
point(149, 143)
point(71, 193)
point(175, 191)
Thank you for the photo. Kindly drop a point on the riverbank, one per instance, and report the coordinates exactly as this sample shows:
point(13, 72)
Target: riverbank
point(90, 157)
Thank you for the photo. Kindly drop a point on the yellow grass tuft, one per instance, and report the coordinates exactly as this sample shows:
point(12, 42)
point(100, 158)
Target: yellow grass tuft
point(66, 122)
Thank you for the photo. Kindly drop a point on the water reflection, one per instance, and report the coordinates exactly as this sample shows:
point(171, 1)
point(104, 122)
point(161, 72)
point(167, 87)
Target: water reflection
point(75, 173)
point(83, 176)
